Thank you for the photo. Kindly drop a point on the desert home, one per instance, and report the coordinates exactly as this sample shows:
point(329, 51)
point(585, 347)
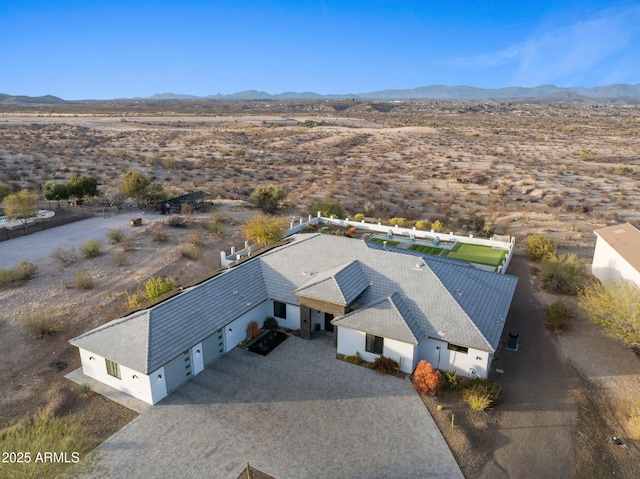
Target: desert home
point(617, 254)
point(376, 299)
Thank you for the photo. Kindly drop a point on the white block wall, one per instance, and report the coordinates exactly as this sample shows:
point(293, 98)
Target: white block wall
point(351, 341)
point(475, 362)
point(149, 389)
point(236, 331)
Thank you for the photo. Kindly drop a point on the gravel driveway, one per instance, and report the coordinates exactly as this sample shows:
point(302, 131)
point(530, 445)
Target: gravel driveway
point(36, 247)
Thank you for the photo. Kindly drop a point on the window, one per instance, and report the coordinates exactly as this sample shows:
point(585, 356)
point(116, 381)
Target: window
point(279, 310)
point(374, 344)
point(113, 369)
point(455, 347)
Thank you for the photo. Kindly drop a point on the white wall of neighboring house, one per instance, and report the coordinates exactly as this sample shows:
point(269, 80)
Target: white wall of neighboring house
point(351, 341)
point(132, 382)
point(474, 362)
point(608, 265)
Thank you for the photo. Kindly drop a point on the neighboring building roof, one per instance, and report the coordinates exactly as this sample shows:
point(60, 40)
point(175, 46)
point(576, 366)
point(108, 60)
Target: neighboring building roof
point(625, 240)
point(432, 296)
point(389, 317)
point(340, 285)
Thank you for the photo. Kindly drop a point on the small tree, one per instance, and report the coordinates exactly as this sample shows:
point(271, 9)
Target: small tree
point(358, 217)
point(21, 206)
point(81, 186)
point(566, 274)
point(328, 207)
point(539, 247)
point(134, 185)
point(267, 197)
point(423, 225)
point(398, 221)
point(265, 229)
point(53, 191)
point(427, 380)
point(437, 226)
point(615, 307)
point(5, 190)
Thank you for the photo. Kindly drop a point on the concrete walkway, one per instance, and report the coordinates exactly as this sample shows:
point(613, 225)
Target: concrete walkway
point(296, 413)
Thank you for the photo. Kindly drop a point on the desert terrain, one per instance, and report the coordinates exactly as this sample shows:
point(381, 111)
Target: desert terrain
point(560, 170)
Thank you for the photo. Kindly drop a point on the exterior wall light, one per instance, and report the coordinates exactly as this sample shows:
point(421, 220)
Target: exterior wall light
point(135, 376)
point(159, 376)
point(91, 358)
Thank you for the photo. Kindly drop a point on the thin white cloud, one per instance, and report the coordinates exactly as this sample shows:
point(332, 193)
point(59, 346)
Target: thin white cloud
point(567, 54)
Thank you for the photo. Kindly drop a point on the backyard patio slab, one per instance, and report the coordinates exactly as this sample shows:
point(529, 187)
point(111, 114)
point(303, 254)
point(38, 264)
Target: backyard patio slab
point(296, 413)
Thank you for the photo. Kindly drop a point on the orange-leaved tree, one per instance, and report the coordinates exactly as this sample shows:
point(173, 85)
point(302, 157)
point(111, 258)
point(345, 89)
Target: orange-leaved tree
point(426, 379)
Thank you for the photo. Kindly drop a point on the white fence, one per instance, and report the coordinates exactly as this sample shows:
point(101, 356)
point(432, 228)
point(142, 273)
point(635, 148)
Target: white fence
point(297, 225)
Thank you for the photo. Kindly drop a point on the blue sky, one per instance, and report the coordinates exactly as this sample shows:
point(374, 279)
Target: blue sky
point(95, 49)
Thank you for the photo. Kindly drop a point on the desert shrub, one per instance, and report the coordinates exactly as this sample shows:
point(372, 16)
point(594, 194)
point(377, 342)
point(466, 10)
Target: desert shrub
point(566, 274)
point(159, 235)
point(385, 365)
point(398, 221)
point(615, 307)
point(624, 170)
point(327, 208)
point(83, 280)
point(25, 271)
point(452, 380)
point(91, 248)
point(85, 389)
point(127, 244)
point(270, 323)
point(115, 235)
point(539, 247)
point(215, 228)
point(43, 323)
point(189, 251)
point(66, 256)
point(7, 277)
point(175, 221)
point(132, 301)
point(424, 225)
point(267, 197)
point(557, 315)
point(156, 287)
point(358, 217)
point(119, 258)
point(44, 432)
point(195, 237)
point(437, 226)
point(481, 394)
point(355, 359)
point(427, 380)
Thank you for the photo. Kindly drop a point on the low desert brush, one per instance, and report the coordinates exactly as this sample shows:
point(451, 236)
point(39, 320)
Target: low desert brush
point(481, 394)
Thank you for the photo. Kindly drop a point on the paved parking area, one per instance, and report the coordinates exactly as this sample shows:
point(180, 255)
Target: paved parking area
point(296, 413)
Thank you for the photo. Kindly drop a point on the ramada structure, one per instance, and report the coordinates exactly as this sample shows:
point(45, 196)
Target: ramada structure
point(377, 300)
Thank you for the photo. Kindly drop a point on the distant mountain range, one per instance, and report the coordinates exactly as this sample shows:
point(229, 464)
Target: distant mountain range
point(432, 92)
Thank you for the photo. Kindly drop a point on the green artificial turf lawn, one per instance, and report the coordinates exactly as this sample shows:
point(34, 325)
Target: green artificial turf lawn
point(425, 249)
point(389, 242)
point(478, 254)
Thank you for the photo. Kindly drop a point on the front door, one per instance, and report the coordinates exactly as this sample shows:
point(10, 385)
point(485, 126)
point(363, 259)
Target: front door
point(327, 322)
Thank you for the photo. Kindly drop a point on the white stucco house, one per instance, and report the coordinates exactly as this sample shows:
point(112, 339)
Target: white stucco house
point(376, 300)
point(617, 254)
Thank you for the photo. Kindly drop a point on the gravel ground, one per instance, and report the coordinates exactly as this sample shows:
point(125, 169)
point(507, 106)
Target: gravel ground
point(36, 247)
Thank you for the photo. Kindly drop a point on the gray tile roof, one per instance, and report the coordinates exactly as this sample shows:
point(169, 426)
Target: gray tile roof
point(339, 285)
point(436, 297)
point(148, 339)
point(388, 317)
